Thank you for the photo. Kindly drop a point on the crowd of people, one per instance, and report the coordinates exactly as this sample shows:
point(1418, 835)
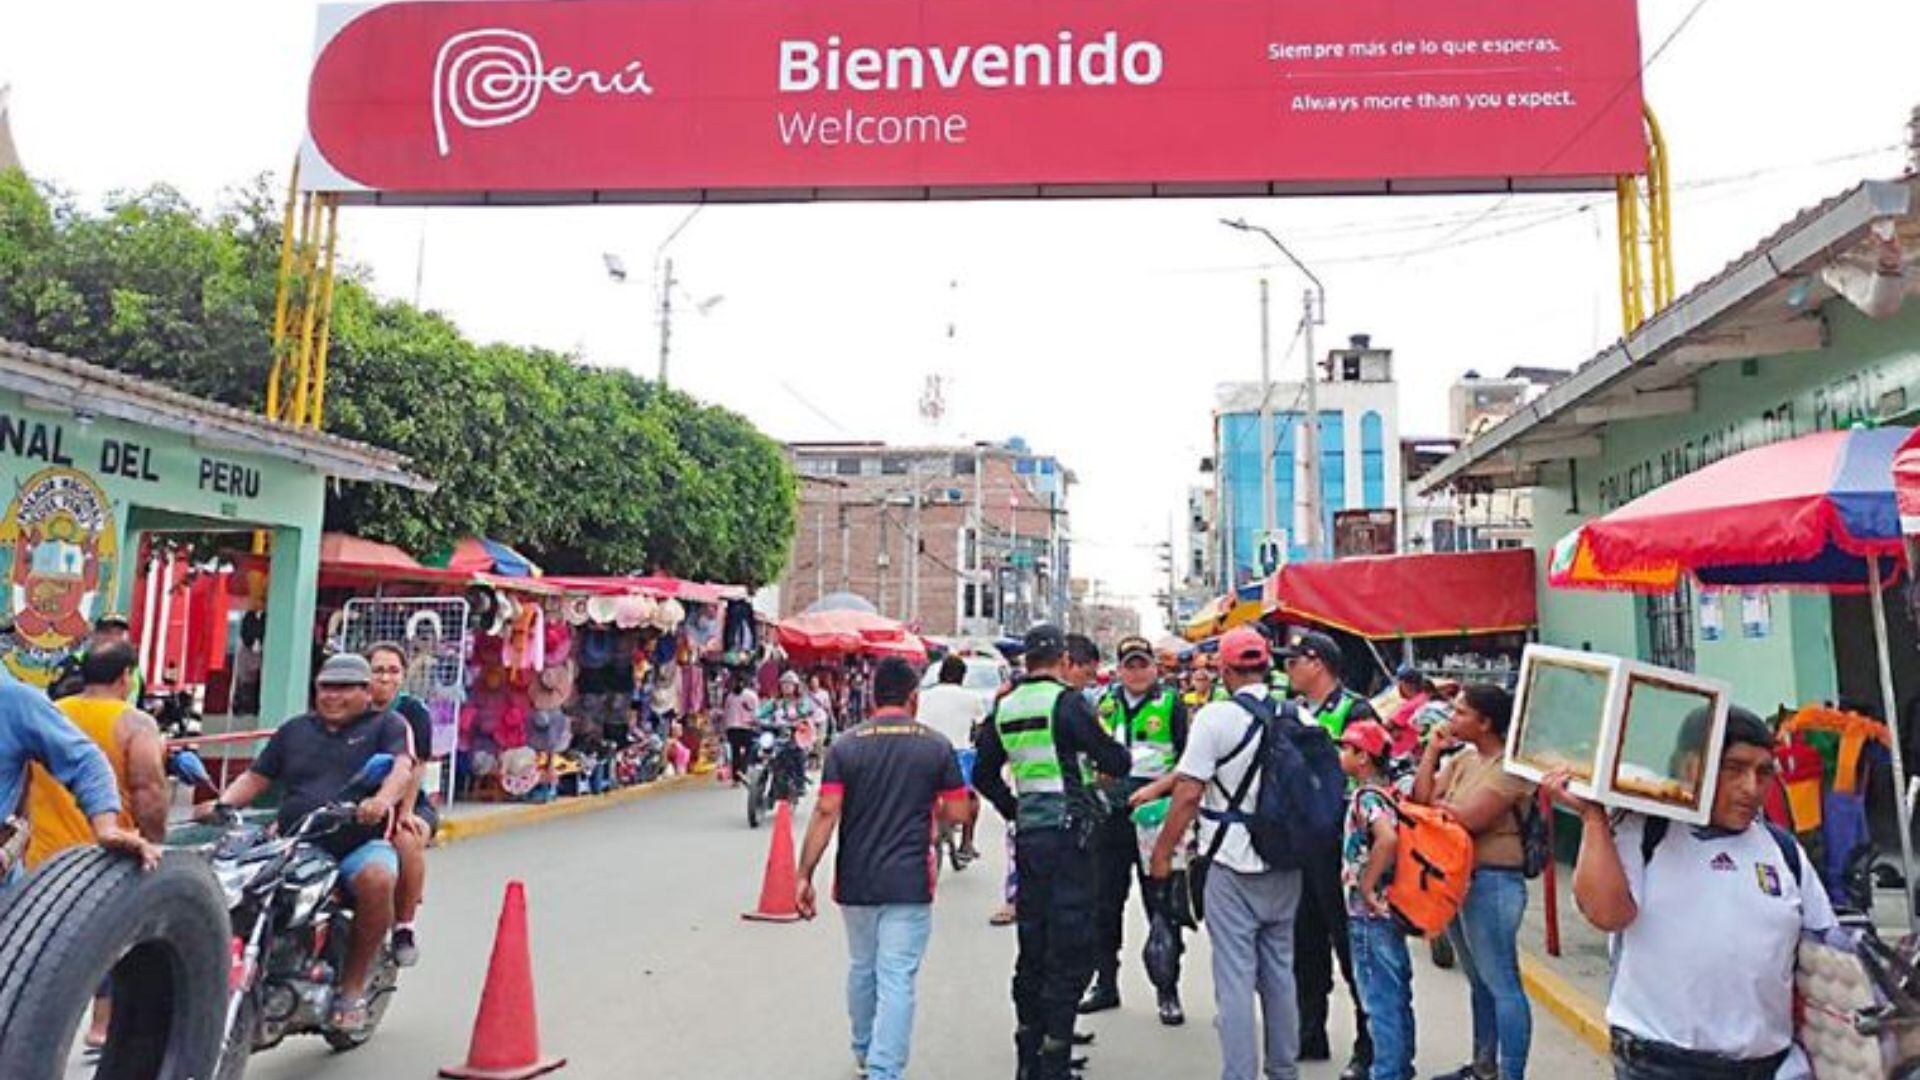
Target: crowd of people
point(1156, 778)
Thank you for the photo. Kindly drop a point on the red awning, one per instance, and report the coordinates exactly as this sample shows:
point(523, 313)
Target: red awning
point(1480, 592)
point(346, 552)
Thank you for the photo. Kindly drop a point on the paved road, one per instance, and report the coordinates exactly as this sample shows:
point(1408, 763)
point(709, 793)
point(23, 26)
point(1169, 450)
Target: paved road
point(644, 968)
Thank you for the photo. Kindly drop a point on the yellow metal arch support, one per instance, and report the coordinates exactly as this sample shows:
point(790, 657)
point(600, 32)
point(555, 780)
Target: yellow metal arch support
point(1646, 233)
point(303, 308)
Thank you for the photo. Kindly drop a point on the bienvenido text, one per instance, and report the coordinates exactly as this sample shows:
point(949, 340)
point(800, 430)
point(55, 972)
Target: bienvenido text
point(831, 66)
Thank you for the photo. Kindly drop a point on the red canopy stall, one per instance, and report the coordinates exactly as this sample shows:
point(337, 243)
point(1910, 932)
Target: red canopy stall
point(1412, 596)
point(821, 635)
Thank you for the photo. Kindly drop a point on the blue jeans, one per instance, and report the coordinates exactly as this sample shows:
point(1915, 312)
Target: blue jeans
point(1385, 974)
point(1486, 934)
point(884, 948)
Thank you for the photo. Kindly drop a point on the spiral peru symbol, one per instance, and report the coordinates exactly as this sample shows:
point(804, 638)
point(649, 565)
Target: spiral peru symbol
point(483, 79)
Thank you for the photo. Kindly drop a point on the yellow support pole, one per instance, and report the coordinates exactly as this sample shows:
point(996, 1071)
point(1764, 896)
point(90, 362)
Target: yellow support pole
point(303, 370)
point(1660, 213)
point(1627, 210)
point(282, 285)
point(326, 314)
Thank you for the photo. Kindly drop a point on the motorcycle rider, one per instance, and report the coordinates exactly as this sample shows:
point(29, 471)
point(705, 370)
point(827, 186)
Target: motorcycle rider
point(419, 821)
point(313, 757)
point(1147, 716)
point(1041, 732)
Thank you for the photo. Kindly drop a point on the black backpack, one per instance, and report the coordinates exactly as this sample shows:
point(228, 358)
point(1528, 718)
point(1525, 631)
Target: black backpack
point(1533, 838)
point(1296, 817)
point(1656, 831)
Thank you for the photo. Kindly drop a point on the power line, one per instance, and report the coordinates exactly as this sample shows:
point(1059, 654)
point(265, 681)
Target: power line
point(1598, 115)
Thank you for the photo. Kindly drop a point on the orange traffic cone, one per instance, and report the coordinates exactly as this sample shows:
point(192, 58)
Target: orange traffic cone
point(777, 900)
point(506, 1033)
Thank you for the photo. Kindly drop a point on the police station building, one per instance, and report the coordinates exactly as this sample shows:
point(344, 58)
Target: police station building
point(122, 496)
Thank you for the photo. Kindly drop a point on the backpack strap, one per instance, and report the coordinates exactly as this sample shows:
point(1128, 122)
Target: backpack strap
point(1262, 714)
point(1656, 831)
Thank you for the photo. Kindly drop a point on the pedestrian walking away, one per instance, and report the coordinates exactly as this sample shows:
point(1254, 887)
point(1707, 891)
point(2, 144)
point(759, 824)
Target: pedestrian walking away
point(1041, 732)
point(1313, 663)
point(1685, 1003)
point(1475, 788)
point(1147, 716)
point(883, 780)
point(1250, 906)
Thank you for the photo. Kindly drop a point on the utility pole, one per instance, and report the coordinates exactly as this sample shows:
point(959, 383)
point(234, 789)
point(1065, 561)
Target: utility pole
point(1314, 315)
point(819, 552)
point(1310, 443)
point(846, 549)
point(1267, 522)
point(666, 318)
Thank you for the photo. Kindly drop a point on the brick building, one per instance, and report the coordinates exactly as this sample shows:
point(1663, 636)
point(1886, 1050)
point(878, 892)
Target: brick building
point(959, 540)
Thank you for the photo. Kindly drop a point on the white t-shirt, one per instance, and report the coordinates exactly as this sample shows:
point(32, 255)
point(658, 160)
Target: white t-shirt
point(1216, 730)
point(1708, 963)
point(951, 711)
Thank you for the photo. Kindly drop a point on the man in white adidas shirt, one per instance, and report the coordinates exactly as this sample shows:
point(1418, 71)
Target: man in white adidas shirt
point(1706, 924)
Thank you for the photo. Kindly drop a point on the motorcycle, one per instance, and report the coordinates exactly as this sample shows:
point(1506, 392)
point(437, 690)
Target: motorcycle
point(778, 770)
point(291, 926)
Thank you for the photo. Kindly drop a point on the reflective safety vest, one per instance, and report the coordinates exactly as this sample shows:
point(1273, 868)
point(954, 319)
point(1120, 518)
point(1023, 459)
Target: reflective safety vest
point(1333, 714)
point(1147, 733)
point(1024, 720)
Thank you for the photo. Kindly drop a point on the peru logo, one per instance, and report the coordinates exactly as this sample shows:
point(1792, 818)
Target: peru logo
point(493, 77)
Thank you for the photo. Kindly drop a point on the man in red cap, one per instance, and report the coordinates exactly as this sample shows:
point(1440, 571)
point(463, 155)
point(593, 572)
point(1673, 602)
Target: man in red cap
point(1249, 905)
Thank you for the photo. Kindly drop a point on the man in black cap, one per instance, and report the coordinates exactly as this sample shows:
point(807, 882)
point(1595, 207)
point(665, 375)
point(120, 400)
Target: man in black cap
point(1312, 661)
point(1146, 716)
point(1040, 733)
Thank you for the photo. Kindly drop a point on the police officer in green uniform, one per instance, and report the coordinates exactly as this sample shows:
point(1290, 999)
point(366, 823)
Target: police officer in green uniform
point(1042, 733)
point(1146, 716)
point(1320, 929)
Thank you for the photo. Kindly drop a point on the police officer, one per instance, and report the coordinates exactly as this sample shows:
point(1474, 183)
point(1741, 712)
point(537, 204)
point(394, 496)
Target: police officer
point(1042, 732)
point(1320, 933)
point(1145, 715)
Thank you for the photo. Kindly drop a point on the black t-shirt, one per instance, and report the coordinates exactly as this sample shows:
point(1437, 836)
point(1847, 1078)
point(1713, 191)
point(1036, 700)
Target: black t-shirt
point(419, 721)
point(312, 762)
point(891, 772)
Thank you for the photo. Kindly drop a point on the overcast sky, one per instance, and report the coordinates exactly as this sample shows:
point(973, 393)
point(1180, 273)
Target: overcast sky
point(1095, 330)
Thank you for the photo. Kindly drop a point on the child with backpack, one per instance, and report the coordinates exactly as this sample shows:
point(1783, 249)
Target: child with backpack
point(1369, 849)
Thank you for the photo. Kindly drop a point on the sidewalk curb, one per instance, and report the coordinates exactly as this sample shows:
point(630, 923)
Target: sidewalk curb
point(1586, 1017)
point(456, 830)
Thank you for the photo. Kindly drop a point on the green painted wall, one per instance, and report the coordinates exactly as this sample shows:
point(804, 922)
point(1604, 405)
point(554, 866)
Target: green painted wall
point(1870, 372)
point(81, 492)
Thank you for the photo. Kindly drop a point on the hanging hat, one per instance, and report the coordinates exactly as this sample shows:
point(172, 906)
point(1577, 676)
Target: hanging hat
point(668, 615)
point(633, 611)
point(574, 610)
point(552, 688)
point(603, 609)
point(483, 762)
point(549, 731)
point(425, 625)
point(559, 642)
point(482, 603)
point(598, 648)
point(519, 770)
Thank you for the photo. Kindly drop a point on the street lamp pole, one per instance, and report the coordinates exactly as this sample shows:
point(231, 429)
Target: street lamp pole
point(1314, 313)
point(663, 274)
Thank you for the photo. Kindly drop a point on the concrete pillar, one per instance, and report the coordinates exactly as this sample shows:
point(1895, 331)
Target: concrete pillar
point(292, 591)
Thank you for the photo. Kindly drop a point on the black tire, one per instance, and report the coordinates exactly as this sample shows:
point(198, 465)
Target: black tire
point(756, 806)
point(163, 935)
point(1443, 957)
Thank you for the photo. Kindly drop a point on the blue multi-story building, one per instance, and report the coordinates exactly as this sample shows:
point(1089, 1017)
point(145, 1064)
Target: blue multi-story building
point(1359, 414)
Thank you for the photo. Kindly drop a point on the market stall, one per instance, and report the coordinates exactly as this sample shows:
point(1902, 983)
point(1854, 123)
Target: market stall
point(1457, 616)
point(1817, 513)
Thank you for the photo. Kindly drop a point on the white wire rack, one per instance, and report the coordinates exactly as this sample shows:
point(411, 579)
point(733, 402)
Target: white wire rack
point(433, 632)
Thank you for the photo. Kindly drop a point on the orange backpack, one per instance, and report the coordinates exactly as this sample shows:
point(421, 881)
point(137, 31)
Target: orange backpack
point(1432, 867)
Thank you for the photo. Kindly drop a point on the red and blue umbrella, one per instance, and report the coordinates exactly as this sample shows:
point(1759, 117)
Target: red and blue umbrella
point(1818, 512)
point(1809, 513)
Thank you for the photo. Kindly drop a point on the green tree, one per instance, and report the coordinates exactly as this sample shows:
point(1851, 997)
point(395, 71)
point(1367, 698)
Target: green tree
point(589, 471)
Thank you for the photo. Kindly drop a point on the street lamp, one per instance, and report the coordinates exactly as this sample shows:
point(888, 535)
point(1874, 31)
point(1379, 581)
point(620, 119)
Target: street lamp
point(665, 282)
point(1314, 314)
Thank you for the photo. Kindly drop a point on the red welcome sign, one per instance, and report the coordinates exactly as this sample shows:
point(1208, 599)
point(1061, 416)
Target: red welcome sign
point(464, 100)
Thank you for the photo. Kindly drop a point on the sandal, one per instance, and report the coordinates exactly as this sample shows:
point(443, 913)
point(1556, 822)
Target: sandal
point(1003, 917)
point(348, 1015)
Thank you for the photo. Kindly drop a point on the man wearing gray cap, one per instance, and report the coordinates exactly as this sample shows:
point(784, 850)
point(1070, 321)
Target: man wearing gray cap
point(313, 757)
